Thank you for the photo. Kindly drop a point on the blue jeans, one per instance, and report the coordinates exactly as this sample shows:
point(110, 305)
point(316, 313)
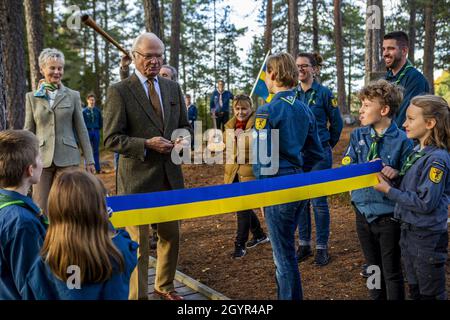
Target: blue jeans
point(94, 137)
point(321, 212)
point(282, 220)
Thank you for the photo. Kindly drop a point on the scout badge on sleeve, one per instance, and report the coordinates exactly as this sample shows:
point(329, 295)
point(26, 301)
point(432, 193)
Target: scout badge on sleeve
point(334, 102)
point(435, 174)
point(260, 123)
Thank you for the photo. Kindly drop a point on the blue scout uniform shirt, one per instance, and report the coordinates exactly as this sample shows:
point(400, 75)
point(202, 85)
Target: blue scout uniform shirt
point(297, 133)
point(424, 193)
point(227, 96)
point(41, 284)
point(93, 118)
point(192, 113)
point(322, 103)
point(414, 84)
point(393, 148)
point(21, 238)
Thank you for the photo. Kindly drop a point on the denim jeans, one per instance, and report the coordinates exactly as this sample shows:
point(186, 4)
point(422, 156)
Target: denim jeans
point(94, 137)
point(282, 221)
point(321, 212)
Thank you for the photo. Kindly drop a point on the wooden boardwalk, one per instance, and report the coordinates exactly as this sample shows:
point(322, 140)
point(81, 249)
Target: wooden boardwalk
point(187, 287)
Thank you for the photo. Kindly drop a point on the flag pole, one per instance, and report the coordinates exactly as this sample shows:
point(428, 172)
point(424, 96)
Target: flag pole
point(259, 74)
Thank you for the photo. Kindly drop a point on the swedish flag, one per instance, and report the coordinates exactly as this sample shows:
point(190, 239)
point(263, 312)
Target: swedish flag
point(260, 88)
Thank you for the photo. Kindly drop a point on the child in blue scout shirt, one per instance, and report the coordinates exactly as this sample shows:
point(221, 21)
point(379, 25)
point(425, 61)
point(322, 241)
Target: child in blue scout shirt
point(329, 123)
point(423, 196)
point(22, 229)
point(290, 118)
point(94, 123)
point(379, 138)
point(83, 257)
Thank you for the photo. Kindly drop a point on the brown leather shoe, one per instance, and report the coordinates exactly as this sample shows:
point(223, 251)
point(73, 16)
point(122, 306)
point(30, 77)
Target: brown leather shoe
point(168, 295)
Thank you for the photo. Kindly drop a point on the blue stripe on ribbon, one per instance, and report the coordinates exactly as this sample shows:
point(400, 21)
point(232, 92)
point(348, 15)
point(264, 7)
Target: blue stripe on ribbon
point(174, 197)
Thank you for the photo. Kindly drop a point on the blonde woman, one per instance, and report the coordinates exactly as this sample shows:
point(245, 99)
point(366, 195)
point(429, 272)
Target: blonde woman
point(53, 114)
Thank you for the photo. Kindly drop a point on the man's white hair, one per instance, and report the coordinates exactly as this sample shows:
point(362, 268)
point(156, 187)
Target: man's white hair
point(145, 35)
point(48, 54)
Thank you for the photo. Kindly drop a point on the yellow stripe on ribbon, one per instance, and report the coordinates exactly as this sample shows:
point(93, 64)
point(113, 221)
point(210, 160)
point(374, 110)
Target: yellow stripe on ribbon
point(158, 214)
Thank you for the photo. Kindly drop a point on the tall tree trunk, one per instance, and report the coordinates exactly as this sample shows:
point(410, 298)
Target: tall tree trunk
point(349, 84)
point(97, 89)
point(162, 20)
point(268, 28)
point(12, 33)
point(152, 18)
point(35, 38)
point(412, 28)
point(52, 17)
point(106, 71)
point(374, 64)
point(43, 9)
point(183, 64)
point(2, 89)
point(293, 27)
point(428, 56)
point(377, 40)
point(339, 57)
point(214, 43)
point(175, 35)
point(315, 28)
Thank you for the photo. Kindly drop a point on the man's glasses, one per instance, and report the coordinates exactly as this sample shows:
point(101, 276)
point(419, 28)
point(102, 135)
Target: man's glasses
point(149, 57)
point(303, 66)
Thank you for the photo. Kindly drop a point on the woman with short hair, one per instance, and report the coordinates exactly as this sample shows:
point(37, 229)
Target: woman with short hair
point(53, 114)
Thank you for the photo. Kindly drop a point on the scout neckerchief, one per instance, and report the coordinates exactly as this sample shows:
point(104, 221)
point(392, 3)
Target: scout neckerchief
point(311, 98)
point(400, 77)
point(373, 151)
point(6, 201)
point(91, 114)
point(410, 160)
point(42, 91)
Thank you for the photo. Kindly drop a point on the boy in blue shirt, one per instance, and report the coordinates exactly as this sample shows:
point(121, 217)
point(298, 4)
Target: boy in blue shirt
point(94, 123)
point(22, 229)
point(379, 138)
point(297, 137)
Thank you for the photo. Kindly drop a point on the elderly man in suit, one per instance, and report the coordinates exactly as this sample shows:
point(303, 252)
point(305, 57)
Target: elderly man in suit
point(53, 114)
point(141, 113)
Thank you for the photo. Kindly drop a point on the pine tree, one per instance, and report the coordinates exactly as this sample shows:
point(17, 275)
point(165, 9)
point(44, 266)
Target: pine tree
point(12, 33)
point(35, 38)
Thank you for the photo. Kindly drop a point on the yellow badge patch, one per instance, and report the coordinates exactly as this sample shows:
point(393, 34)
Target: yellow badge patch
point(346, 160)
point(260, 123)
point(334, 102)
point(435, 174)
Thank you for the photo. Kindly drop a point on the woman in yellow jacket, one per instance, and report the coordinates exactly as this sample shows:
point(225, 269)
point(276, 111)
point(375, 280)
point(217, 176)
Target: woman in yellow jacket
point(239, 169)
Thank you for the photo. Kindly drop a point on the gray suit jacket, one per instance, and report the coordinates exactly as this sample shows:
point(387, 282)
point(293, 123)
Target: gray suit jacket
point(54, 127)
point(129, 119)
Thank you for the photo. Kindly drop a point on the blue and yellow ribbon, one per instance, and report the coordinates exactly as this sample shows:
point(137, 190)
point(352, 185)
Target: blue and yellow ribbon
point(156, 207)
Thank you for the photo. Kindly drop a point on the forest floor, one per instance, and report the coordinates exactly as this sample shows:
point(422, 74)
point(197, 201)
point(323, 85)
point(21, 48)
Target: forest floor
point(207, 243)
